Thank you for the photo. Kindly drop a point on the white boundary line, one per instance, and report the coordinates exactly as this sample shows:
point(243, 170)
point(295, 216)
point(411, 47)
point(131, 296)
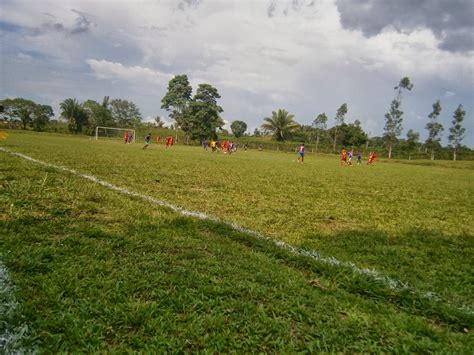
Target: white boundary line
point(329, 260)
point(11, 336)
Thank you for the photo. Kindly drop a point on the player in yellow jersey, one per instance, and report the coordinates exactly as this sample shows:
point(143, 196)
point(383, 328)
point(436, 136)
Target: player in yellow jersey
point(3, 135)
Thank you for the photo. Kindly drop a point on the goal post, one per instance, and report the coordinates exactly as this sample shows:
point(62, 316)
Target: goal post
point(115, 130)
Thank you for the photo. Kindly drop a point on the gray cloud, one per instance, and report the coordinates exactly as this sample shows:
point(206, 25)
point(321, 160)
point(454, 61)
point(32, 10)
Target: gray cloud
point(271, 9)
point(188, 3)
point(83, 23)
point(295, 5)
point(451, 21)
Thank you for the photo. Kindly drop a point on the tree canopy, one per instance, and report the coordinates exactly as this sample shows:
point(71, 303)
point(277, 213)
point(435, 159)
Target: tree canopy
point(238, 128)
point(177, 98)
point(457, 130)
point(434, 129)
point(341, 112)
point(125, 113)
point(202, 117)
point(281, 125)
point(74, 113)
point(27, 112)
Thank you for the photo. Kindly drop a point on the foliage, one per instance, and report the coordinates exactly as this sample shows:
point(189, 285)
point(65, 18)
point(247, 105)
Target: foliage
point(125, 113)
point(238, 128)
point(281, 125)
point(412, 140)
point(404, 84)
point(41, 117)
point(393, 124)
point(98, 114)
point(177, 98)
point(320, 124)
point(341, 112)
point(394, 119)
point(457, 131)
point(352, 135)
point(203, 113)
point(75, 115)
point(29, 113)
point(434, 129)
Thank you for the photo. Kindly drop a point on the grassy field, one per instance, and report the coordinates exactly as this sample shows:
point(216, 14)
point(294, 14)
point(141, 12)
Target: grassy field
point(98, 270)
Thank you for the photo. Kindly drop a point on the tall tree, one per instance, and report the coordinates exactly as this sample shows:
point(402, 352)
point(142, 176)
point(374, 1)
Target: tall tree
point(202, 117)
point(27, 112)
point(393, 119)
point(177, 99)
point(457, 130)
point(281, 124)
point(320, 124)
point(404, 84)
point(353, 135)
point(341, 112)
point(125, 113)
point(41, 116)
point(434, 128)
point(412, 141)
point(19, 109)
point(393, 125)
point(74, 113)
point(98, 114)
point(238, 128)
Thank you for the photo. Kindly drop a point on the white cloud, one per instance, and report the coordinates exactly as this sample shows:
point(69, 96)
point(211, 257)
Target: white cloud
point(300, 59)
point(109, 70)
point(22, 57)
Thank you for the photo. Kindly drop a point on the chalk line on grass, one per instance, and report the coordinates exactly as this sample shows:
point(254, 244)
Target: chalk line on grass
point(329, 260)
point(11, 336)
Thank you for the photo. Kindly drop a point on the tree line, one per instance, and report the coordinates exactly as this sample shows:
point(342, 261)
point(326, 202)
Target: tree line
point(79, 117)
point(282, 126)
point(198, 116)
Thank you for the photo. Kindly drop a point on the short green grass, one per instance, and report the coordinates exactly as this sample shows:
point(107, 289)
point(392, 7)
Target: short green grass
point(101, 271)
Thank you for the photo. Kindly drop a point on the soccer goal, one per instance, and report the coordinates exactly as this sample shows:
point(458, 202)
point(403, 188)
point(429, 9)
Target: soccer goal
point(112, 132)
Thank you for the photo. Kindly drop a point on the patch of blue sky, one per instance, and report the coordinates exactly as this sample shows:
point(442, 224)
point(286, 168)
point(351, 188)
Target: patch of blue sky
point(10, 27)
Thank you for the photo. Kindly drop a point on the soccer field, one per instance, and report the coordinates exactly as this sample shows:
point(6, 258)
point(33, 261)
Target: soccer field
point(99, 269)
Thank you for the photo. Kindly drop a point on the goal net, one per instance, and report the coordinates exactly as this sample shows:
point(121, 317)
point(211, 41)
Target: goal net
point(115, 133)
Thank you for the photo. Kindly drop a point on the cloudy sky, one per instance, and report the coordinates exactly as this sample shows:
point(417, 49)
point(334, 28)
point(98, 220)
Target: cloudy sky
point(306, 56)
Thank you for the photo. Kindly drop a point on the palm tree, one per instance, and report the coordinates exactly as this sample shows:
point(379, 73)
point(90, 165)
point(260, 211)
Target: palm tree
point(281, 125)
point(74, 113)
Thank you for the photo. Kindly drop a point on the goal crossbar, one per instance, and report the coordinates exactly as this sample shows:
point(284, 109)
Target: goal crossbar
point(115, 129)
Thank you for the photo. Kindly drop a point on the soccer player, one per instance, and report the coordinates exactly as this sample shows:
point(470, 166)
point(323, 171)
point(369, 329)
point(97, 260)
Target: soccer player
point(359, 157)
point(125, 137)
point(343, 156)
point(213, 145)
point(147, 141)
point(372, 158)
point(301, 153)
point(158, 137)
point(349, 156)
